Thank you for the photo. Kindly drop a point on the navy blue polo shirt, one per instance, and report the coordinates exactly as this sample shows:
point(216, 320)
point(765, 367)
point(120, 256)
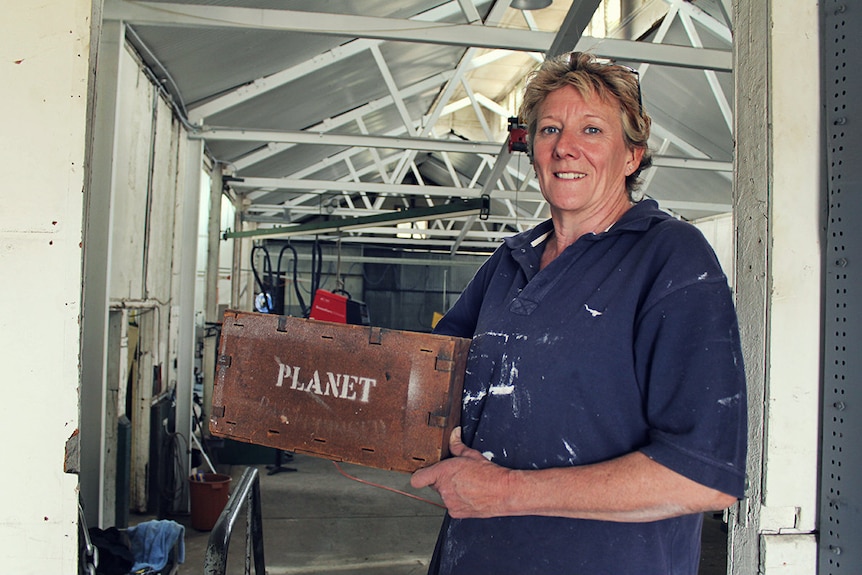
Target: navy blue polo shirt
point(627, 341)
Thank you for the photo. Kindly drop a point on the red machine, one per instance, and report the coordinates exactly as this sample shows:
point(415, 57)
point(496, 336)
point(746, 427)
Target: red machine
point(329, 306)
point(517, 136)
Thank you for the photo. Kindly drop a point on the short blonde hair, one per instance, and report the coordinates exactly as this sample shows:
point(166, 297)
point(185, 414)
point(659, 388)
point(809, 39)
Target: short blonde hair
point(591, 77)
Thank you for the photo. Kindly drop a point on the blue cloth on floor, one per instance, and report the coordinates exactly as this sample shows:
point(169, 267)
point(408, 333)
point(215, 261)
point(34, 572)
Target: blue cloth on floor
point(152, 541)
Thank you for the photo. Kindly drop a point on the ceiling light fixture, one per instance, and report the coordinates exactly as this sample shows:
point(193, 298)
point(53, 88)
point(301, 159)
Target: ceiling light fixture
point(530, 4)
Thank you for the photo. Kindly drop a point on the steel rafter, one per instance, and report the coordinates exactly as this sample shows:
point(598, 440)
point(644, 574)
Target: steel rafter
point(394, 29)
point(270, 200)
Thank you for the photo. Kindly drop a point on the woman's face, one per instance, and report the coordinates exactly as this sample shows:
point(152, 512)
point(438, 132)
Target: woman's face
point(580, 156)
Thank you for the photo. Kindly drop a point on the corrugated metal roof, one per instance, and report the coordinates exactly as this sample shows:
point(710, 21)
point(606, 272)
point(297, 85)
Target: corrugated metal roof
point(343, 106)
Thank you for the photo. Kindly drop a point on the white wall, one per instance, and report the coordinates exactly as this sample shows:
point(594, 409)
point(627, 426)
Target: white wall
point(139, 263)
point(790, 498)
point(719, 233)
point(43, 62)
point(226, 222)
point(148, 176)
point(779, 205)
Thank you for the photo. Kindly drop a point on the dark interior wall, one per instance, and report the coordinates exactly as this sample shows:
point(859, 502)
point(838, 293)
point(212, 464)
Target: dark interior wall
point(407, 296)
point(296, 268)
point(401, 294)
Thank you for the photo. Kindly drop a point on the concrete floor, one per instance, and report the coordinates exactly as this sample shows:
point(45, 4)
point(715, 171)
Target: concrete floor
point(316, 521)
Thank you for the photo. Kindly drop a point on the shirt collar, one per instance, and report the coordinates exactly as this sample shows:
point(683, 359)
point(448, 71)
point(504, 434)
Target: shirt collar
point(640, 217)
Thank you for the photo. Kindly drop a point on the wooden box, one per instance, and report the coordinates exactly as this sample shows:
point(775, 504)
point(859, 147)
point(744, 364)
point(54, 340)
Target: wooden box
point(376, 397)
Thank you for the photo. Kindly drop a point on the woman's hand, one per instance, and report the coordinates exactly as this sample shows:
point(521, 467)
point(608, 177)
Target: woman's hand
point(630, 488)
point(470, 485)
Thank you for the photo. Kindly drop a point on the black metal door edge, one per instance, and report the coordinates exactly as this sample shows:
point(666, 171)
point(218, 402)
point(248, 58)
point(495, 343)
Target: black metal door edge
point(840, 515)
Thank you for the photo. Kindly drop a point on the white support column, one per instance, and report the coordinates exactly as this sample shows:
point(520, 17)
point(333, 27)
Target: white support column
point(211, 295)
point(97, 270)
point(236, 259)
point(116, 374)
point(779, 208)
point(797, 207)
point(751, 202)
point(183, 310)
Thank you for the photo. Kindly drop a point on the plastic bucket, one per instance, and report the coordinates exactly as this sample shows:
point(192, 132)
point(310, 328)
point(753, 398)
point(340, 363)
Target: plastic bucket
point(208, 493)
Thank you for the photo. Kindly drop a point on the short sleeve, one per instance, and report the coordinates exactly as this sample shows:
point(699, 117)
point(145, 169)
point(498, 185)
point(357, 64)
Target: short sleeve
point(689, 359)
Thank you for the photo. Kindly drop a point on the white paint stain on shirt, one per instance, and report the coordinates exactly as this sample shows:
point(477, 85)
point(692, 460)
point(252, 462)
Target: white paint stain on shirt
point(570, 449)
point(504, 336)
point(728, 401)
point(594, 313)
point(479, 396)
point(513, 373)
point(501, 389)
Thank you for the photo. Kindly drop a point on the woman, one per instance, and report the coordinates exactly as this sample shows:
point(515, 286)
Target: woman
point(604, 404)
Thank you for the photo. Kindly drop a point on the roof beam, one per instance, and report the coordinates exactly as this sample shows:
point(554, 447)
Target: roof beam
point(650, 173)
point(264, 84)
point(469, 10)
point(312, 196)
point(246, 92)
point(346, 140)
point(660, 34)
point(465, 35)
point(692, 163)
point(721, 30)
point(679, 205)
point(429, 244)
point(422, 144)
point(184, 15)
point(711, 76)
point(465, 62)
point(393, 89)
point(726, 12)
point(375, 156)
point(348, 186)
point(342, 120)
point(500, 164)
point(280, 186)
point(572, 29)
point(454, 209)
point(660, 54)
point(267, 83)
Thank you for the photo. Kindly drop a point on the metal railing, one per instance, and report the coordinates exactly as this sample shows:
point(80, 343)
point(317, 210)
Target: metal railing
point(246, 492)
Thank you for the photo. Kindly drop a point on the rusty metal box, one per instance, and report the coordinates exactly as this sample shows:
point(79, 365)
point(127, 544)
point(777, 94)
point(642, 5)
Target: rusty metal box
point(376, 397)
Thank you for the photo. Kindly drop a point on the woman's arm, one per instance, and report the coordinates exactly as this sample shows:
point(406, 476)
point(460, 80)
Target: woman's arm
point(631, 488)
